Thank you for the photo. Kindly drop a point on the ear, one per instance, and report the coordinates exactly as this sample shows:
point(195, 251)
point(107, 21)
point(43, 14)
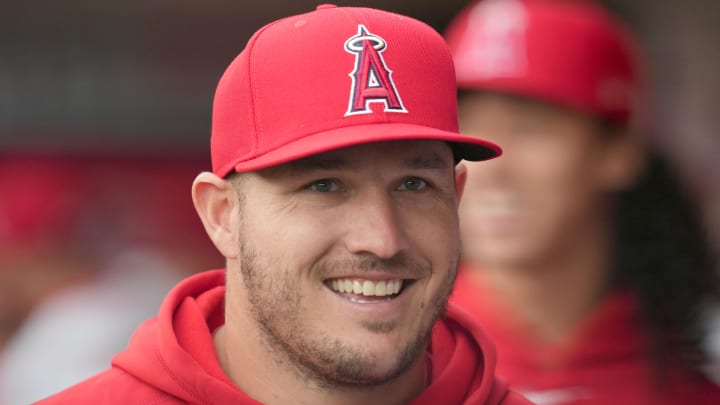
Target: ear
point(623, 163)
point(460, 179)
point(217, 203)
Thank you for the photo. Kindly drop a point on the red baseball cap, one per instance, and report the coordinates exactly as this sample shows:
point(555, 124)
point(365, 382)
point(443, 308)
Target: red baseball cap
point(571, 52)
point(331, 78)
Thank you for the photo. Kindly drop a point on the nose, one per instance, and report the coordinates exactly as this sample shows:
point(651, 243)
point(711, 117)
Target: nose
point(375, 227)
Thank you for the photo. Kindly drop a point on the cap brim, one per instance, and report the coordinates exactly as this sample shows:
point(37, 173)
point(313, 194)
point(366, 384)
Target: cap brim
point(464, 146)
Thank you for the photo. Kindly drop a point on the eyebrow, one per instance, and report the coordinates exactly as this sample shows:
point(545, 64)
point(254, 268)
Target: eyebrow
point(432, 162)
point(313, 163)
point(320, 163)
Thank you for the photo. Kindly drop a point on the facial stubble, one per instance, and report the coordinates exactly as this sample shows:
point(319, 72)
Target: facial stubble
point(326, 361)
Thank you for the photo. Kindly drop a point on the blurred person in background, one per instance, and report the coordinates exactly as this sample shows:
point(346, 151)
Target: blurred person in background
point(583, 258)
point(101, 240)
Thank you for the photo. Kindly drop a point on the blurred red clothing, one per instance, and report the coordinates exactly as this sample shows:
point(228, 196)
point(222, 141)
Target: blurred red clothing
point(41, 198)
point(602, 361)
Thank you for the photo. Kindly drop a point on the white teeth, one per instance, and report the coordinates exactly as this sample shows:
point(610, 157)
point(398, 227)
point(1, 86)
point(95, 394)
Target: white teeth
point(393, 287)
point(367, 288)
point(380, 288)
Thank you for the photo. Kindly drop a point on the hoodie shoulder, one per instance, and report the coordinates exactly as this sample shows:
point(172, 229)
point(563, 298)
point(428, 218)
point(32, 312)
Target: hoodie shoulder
point(111, 387)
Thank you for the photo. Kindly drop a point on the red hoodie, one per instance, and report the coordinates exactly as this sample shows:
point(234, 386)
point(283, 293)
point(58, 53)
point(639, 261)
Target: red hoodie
point(602, 361)
point(171, 359)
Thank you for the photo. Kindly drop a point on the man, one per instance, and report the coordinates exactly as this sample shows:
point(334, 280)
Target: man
point(333, 198)
point(582, 258)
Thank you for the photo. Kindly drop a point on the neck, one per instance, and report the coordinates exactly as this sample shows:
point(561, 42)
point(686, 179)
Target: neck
point(555, 294)
point(267, 375)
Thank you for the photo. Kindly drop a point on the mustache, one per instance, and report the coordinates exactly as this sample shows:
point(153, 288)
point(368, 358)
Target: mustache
point(400, 265)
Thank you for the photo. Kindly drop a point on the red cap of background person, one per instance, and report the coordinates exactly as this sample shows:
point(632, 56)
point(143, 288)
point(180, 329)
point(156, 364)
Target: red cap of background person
point(331, 78)
point(570, 52)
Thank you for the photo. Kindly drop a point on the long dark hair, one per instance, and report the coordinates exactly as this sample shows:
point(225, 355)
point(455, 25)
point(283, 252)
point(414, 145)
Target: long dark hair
point(664, 253)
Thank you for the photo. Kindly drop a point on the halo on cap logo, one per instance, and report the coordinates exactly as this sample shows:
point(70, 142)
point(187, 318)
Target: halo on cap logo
point(371, 79)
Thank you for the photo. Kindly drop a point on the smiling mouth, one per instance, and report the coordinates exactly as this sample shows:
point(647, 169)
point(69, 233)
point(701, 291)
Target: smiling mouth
point(365, 291)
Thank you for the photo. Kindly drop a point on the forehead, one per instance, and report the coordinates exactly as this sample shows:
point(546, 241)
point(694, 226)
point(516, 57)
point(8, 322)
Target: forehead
point(418, 154)
point(470, 99)
point(473, 104)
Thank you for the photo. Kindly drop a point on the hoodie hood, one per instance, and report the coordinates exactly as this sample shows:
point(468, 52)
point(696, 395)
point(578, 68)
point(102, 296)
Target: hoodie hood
point(174, 352)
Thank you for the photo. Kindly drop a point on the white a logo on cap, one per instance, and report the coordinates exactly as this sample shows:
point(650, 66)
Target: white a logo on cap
point(371, 78)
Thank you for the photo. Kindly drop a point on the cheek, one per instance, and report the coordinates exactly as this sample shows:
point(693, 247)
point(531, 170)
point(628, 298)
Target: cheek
point(290, 238)
point(436, 241)
point(434, 232)
point(477, 173)
point(560, 168)
point(558, 192)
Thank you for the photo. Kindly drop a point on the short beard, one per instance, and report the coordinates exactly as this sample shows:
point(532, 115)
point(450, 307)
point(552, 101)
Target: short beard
point(327, 362)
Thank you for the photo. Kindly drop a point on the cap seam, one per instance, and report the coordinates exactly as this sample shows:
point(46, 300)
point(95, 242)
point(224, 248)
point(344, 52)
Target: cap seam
point(251, 88)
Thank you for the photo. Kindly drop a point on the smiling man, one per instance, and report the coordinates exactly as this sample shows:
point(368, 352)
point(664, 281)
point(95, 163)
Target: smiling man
point(333, 196)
